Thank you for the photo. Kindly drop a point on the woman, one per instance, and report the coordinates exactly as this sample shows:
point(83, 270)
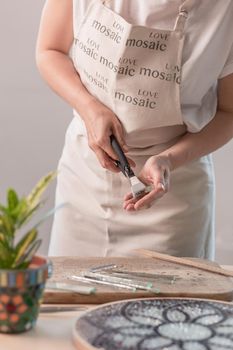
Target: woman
point(159, 76)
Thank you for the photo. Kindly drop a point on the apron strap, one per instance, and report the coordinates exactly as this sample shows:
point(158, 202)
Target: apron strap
point(105, 2)
point(182, 16)
point(184, 9)
point(181, 20)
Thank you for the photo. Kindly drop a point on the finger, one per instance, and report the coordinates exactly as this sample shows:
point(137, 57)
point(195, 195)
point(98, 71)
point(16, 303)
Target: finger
point(107, 148)
point(132, 201)
point(151, 176)
point(157, 178)
point(129, 202)
point(101, 143)
point(166, 180)
point(105, 161)
point(149, 198)
point(131, 162)
point(160, 179)
point(128, 196)
point(110, 151)
point(130, 207)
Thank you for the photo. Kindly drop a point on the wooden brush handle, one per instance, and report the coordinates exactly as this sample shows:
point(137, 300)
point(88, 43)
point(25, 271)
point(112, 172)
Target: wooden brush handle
point(184, 261)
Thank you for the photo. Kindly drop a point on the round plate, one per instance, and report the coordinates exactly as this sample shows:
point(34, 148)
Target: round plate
point(146, 324)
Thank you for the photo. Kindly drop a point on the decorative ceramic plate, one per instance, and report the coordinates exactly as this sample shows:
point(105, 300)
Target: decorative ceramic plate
point(156, 324)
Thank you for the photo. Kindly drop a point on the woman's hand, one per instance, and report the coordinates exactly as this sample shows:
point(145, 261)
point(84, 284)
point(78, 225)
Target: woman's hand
point(156, 172)
point(52, 55)
point(100, 123)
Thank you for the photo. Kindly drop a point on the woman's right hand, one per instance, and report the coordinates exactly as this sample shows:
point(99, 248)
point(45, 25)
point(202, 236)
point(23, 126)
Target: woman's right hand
point(100, 124)
point(53, 45)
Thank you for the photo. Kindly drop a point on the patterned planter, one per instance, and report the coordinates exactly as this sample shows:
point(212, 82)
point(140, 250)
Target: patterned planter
point(21, 293)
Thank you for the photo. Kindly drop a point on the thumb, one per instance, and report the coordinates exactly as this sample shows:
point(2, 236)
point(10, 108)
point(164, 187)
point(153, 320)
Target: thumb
point(162, 180)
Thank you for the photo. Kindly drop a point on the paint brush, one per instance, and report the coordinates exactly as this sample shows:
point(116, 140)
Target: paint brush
point(137, 187)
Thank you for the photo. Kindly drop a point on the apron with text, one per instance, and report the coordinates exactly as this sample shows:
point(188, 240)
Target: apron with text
point(136, 72)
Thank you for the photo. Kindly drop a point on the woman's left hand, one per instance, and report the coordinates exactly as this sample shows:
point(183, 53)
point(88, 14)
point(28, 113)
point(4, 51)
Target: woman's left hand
point(156, 173)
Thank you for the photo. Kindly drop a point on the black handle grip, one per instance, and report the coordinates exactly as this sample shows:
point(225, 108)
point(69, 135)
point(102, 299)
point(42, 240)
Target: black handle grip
point(117, 148)
point(123, 162)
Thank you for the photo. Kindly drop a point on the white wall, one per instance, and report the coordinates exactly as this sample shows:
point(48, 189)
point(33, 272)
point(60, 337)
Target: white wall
point(33, 122)
point(32, 119)
point(224, 205)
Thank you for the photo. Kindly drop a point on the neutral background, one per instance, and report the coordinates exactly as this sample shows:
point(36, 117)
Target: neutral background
point(33, 122)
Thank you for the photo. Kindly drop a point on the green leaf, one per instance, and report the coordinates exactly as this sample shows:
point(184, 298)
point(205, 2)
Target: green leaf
point(27, 215)
point(36, 193)
point(12, 199)
point(3, 209)
point(4, 240)
point(21, 209)
point(1, 222)
point(4, 252)
point(22, 266)
point(13, 216)
point(30, 252)
point(7, 226)
point(6, 257)
point(24, 243)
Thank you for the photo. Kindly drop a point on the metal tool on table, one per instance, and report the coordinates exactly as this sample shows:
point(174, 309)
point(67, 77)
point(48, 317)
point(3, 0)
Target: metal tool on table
point(107, 282)
point(107, 279)
point(46, 309)
point(104, 274)
point(126, 281)
point(158, 277)
point(103, 267)
point(119, 271)
point(137, 187)
point(70, 288)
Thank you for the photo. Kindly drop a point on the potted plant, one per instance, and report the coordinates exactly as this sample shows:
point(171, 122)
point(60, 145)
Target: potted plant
point(22, 273)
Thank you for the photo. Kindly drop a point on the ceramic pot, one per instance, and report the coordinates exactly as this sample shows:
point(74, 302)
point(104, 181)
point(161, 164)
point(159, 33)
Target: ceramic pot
point(21, 293)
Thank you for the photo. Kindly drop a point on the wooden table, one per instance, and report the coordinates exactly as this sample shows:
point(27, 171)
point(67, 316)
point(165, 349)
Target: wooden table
point(53, 332)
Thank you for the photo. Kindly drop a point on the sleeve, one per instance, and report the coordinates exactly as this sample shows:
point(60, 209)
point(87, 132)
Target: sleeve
point(228, 67)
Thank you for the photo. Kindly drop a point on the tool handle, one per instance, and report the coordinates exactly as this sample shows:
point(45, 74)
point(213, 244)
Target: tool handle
point(117, 148)
point(123, 163)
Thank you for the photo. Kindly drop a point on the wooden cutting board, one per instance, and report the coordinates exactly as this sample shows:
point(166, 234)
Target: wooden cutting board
point(172, 280)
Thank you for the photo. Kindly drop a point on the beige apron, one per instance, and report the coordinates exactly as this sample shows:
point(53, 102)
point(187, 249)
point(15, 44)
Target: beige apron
point(135, 71)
